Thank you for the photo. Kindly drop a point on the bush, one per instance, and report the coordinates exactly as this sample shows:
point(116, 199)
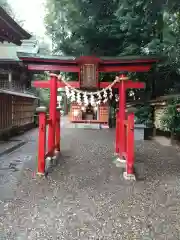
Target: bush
point(170, 120)
point(143, 115)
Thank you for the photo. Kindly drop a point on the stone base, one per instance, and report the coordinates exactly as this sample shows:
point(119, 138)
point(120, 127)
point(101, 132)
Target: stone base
point(54, 160)
point(40, 174)
point(121, 163)
point(130, 177)
point(103, 126)
point(116, 154)
point(48, 160)
point(86, 126)
point(48, 163)
point(56, 152)
point(121, 160)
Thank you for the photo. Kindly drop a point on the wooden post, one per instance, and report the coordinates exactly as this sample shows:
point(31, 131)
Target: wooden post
point(10, 79)
point(42, 140)
point(117, 133)
point(122, 106)
point(58, 129)
point(129, 174)
point(52, 114)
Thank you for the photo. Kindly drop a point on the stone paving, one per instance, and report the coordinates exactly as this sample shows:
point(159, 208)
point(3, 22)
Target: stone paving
point(85, 196)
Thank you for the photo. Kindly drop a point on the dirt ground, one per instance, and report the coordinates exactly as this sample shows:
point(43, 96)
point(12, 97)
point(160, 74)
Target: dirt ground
point(85, 197)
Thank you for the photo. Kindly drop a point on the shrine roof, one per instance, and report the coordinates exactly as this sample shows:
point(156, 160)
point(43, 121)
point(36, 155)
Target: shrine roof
point(45, 58)
point(55, 59)
point(10, 30)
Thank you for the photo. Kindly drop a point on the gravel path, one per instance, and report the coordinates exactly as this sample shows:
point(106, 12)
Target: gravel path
point(85, 197)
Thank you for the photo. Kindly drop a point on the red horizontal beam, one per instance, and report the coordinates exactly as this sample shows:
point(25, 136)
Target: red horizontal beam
point(131, 84)
point(128, 84)
point(46, 84)
point(138, 60)
point(133, 68)
point(44, 67)
point(106, 84)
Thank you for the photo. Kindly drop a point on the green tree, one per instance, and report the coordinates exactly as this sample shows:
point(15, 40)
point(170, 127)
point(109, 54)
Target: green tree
point(126, 27)
point(7, 7)
point(170, 119)
point(84, 27)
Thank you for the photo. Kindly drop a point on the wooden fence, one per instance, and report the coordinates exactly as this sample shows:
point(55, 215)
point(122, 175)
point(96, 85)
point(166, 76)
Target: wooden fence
point(5, 112)
point(15, 112)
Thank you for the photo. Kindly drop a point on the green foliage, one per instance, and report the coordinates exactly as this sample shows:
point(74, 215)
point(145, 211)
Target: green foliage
point(143, 115)
point(83, 27)
point(5, 5)
point(120, 27)
point(42, 93)
point(170, 120)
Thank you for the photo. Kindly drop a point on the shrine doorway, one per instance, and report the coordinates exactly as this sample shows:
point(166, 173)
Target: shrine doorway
point(90, 112)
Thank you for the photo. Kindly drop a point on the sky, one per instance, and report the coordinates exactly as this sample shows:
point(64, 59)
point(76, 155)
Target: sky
point(32, 13)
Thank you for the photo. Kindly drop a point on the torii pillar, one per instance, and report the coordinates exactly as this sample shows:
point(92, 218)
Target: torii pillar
point(52, 112)
point(123, 84)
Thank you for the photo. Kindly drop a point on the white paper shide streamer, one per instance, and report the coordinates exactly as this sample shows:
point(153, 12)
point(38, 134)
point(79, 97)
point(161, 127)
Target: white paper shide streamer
point(105, 96)
point(92, 101)
point(131, 93)
point(68, 93)
point(110, 93)
point(73, 96)
point(116, 98)
point(78, 99)
point(99, 98)
point(86, 100)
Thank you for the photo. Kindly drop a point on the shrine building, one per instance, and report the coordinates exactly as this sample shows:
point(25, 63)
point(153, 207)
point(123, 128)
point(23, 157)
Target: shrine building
point(17, 101)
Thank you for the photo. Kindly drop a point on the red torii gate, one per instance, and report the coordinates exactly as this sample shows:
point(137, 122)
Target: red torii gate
point(124, 126)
